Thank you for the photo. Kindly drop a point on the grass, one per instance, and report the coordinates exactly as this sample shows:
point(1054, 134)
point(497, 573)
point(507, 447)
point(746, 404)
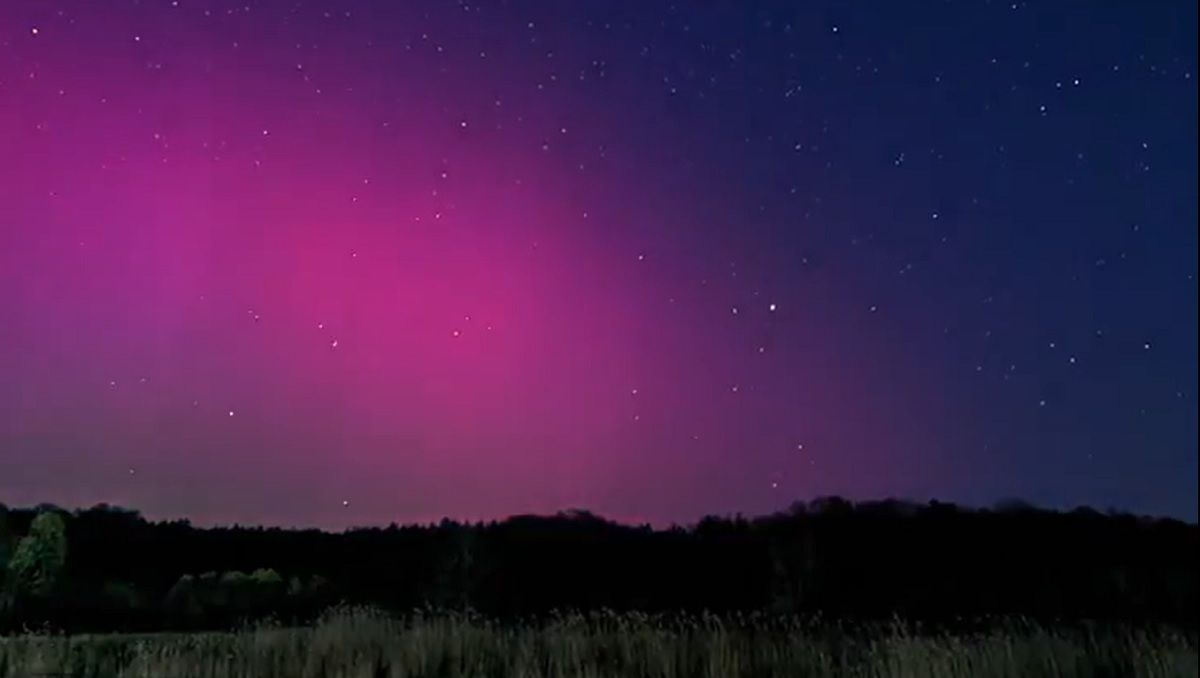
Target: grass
point(356, 643)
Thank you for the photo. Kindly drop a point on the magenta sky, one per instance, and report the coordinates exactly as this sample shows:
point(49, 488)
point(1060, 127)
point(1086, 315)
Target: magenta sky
point(261, 259)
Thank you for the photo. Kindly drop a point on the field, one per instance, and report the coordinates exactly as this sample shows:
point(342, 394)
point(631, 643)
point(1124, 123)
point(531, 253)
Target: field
point(364, 644)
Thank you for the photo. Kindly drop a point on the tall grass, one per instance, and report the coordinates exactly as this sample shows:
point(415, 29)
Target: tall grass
point(357, 643)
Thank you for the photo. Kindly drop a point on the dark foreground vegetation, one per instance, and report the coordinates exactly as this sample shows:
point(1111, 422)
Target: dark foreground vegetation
point(106, 569)
point(361, 644)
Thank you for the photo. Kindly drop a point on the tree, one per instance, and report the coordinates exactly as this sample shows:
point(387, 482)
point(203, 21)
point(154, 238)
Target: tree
point(37, 565)
point(122, 595)
point(182, 600)
point(267, 589)
point(237, 590)
point(6, 539)
point(267, 578)
point(456, 567)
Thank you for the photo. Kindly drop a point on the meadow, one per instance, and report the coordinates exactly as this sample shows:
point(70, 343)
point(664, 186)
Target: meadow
point(362, 643)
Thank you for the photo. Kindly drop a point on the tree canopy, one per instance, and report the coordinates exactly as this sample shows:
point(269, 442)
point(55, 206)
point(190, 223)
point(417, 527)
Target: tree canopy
point(867, 560)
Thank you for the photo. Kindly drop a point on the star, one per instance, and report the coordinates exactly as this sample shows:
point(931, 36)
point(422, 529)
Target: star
point(577, 320)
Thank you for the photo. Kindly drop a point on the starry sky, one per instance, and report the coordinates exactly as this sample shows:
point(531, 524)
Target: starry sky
point(322, 262)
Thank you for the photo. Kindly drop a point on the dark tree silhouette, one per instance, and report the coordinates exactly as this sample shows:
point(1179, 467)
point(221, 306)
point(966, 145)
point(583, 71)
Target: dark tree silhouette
point(937, 563)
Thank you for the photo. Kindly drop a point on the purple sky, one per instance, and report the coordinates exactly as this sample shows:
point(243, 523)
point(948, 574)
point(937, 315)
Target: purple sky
point(353, 262)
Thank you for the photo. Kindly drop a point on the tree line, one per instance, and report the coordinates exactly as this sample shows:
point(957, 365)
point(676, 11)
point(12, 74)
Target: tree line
point(108, 568)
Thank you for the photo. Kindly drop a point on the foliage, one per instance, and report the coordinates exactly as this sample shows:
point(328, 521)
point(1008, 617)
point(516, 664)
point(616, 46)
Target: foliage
point(6, 544)
point(936, 563)
point(36, 566)
point(6, 539)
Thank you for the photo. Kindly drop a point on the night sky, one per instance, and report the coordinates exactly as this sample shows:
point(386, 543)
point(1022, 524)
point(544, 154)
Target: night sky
point(329, 263)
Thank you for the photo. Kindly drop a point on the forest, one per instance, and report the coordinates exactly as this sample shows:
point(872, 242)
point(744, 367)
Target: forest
point(108, 569)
